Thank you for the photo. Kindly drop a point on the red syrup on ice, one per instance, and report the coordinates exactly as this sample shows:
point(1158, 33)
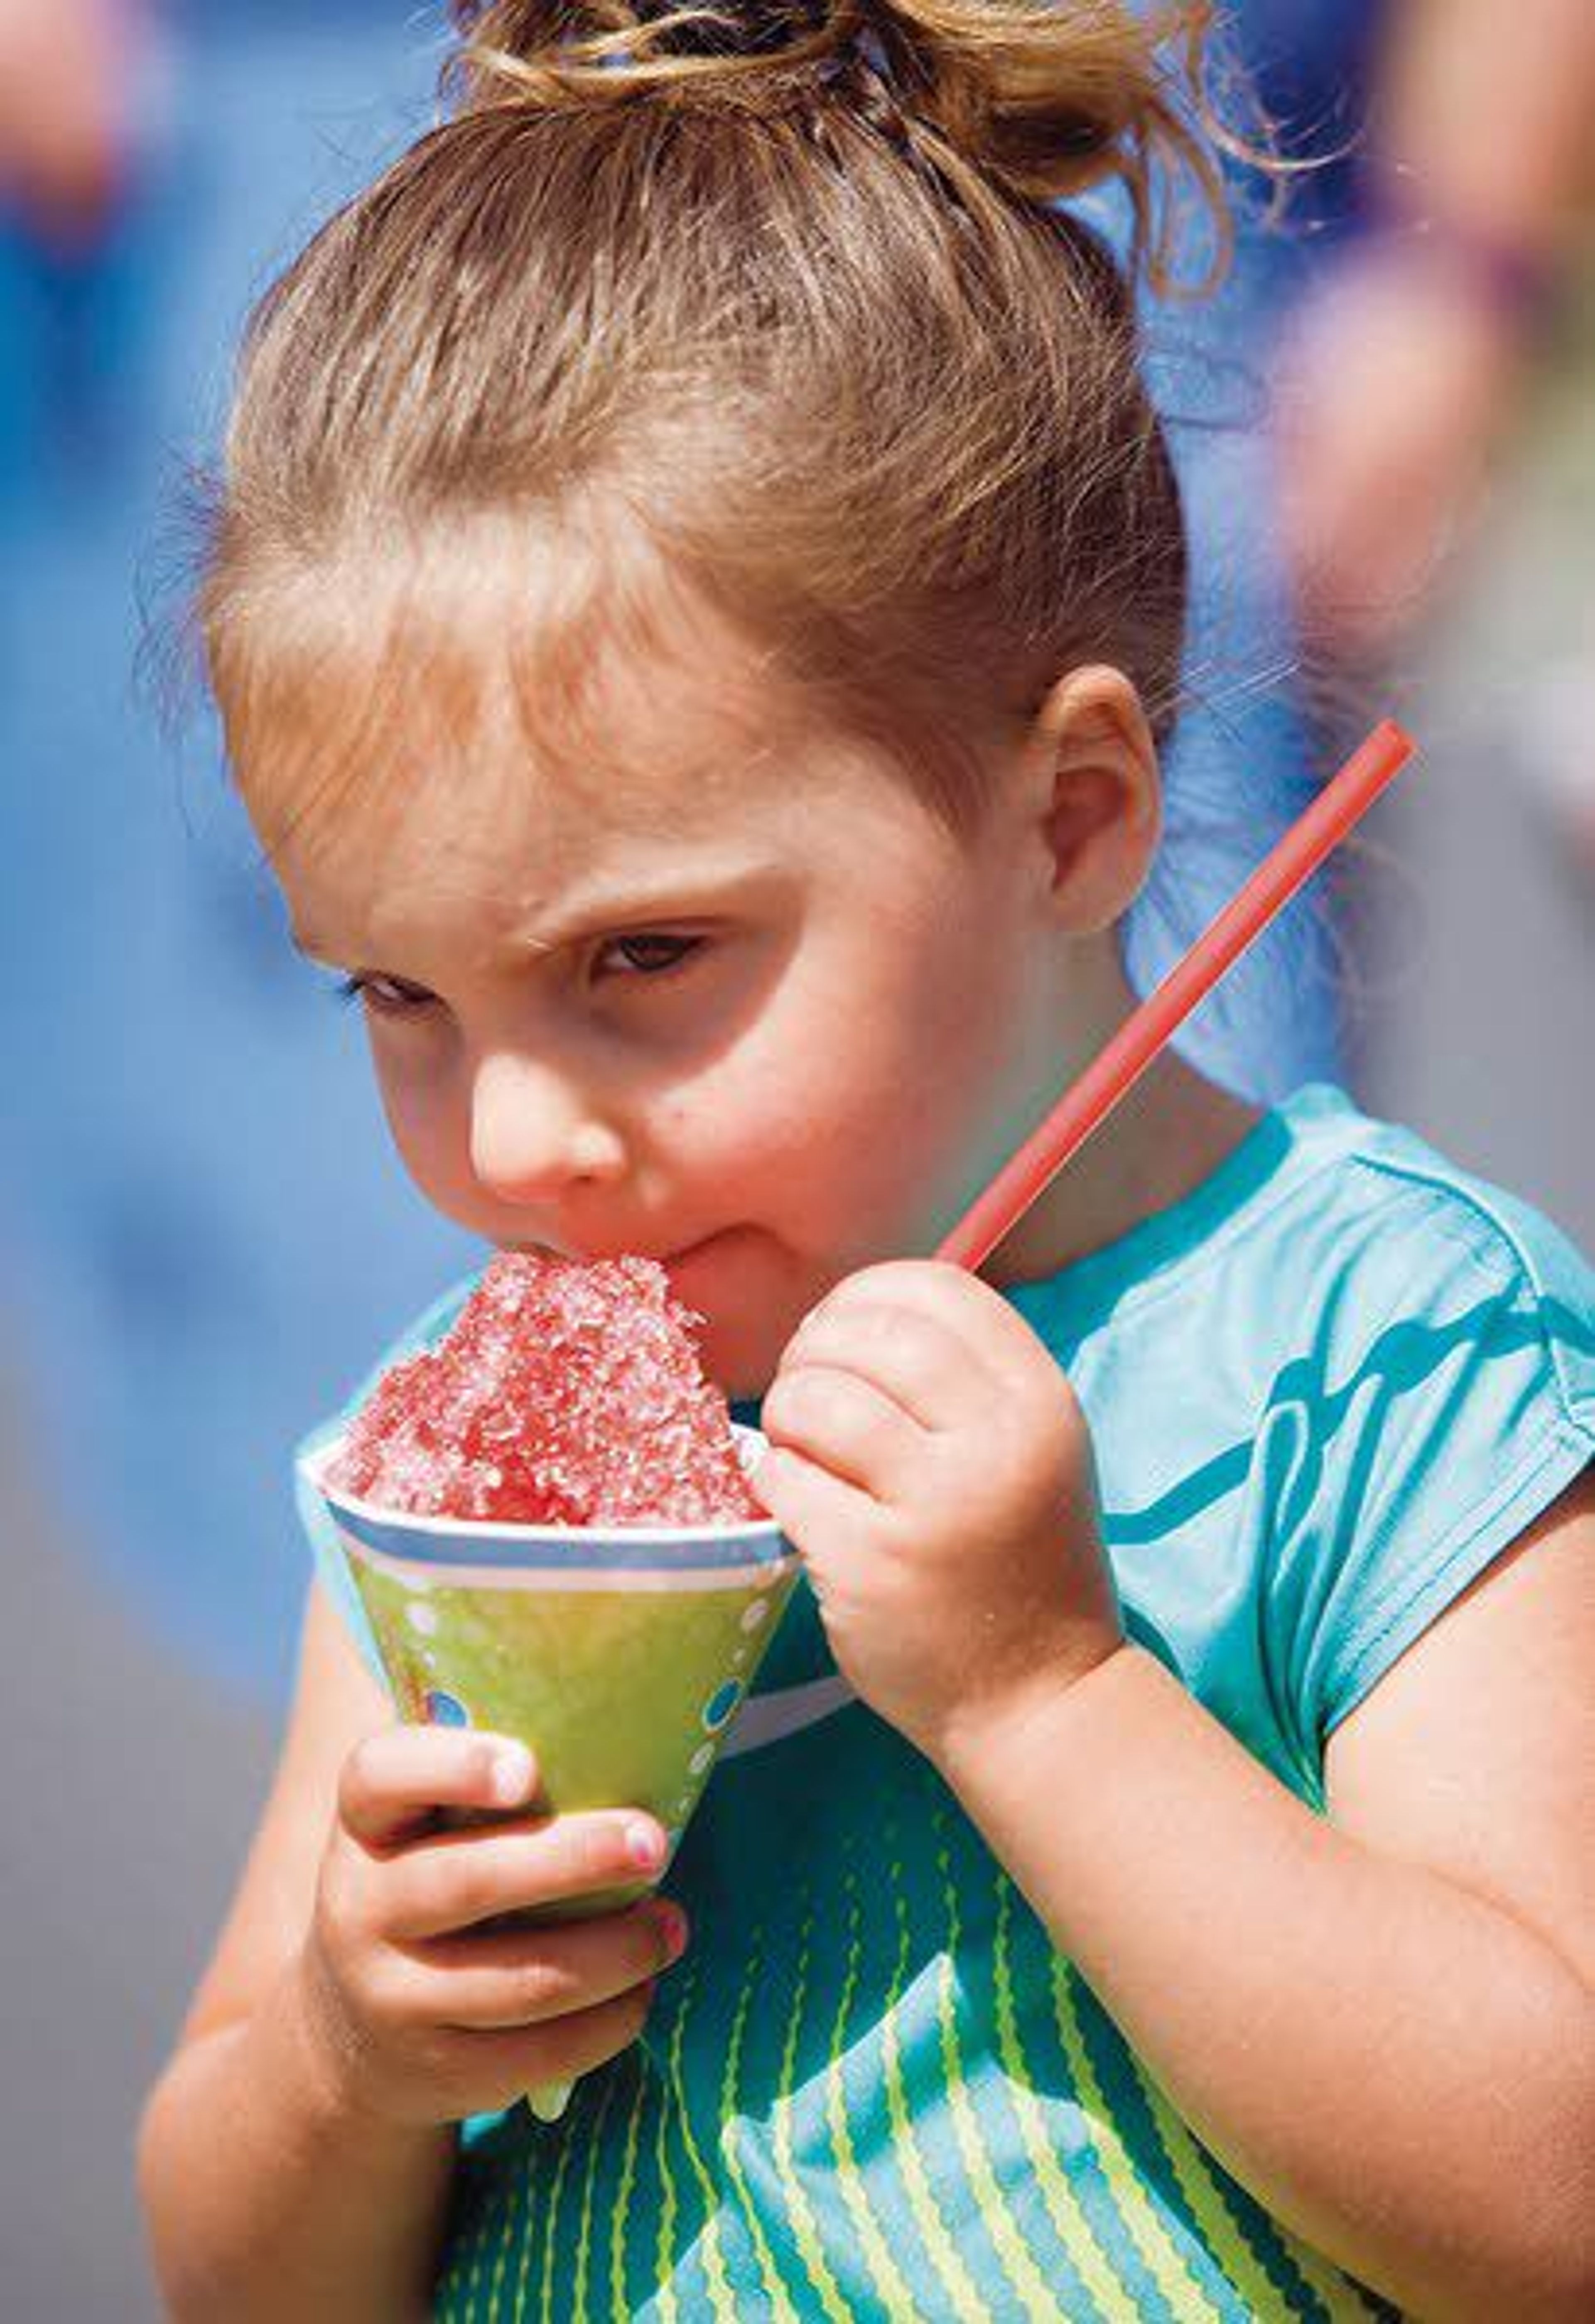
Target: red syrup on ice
point(564, 1393)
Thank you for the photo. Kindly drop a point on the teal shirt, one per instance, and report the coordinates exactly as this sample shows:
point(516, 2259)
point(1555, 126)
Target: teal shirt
point(1326, 1390)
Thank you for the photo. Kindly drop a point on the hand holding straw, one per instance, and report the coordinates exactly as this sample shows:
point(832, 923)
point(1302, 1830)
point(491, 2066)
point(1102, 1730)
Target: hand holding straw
point(1147, 1032)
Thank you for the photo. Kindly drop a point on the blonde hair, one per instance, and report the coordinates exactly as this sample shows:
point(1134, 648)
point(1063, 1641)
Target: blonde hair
point(767, 302)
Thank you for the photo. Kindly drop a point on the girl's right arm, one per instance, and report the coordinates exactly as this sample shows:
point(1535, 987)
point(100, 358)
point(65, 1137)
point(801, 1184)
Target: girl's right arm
point(295, 2155)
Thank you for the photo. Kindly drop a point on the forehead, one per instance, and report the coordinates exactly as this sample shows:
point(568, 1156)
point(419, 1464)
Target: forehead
point(458, 757)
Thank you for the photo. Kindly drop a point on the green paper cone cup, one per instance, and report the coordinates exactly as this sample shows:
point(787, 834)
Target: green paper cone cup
point(620, 1654)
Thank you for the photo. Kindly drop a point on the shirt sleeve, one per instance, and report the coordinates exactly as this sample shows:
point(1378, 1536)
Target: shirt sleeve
point(330, 1559)
point(1410, 1454)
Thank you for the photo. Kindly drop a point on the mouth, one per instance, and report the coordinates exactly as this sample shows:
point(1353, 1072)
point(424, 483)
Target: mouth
point(691, 1249)
point(592, 1255)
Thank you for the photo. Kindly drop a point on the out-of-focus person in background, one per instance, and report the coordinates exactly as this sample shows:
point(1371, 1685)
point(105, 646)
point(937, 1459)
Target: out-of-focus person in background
point(1411, 362)
point(1403, 363)
point(1435, 419)
point(68, 111)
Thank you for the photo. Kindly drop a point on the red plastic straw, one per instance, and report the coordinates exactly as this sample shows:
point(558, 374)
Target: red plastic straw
point(1087, 1105)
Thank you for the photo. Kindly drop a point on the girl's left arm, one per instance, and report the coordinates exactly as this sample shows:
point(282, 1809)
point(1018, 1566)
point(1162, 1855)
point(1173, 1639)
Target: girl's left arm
point(1383, 2023)
point(1380, 2020)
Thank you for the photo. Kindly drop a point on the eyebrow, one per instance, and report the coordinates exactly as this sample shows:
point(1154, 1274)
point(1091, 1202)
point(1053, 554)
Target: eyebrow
point(603, 908)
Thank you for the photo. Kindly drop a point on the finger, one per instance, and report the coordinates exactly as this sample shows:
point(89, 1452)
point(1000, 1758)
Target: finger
point(391, 1784)
point(845, 1424)
point(916, 1359)
point(521, 1977)
point(450, 1879)
point(993, 1332)
point(566, 2048)
point(811, 1506)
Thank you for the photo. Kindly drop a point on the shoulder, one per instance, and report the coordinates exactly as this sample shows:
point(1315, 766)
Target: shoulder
point(1392, 1263)
point(1352, 1375)
point(1435, 1396)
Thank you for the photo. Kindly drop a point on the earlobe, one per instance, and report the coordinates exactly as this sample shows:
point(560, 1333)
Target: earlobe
point(1100, 797)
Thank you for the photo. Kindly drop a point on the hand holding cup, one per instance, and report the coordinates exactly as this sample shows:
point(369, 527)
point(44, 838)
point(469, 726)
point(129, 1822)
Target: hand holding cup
point(426, 2005)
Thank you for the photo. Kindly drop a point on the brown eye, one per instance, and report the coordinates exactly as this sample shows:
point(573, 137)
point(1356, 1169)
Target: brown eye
point(653, 955)
point(383, 995)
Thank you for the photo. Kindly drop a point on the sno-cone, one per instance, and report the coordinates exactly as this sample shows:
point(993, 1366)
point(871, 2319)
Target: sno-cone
point(619, 1655)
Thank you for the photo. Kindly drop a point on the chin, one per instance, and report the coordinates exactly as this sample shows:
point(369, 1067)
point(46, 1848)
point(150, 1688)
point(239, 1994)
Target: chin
point(737, 1358)
point(745, 1292)
point(741, 1351)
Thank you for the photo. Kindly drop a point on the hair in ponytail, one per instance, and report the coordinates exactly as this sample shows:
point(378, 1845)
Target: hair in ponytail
point(773, 303)
point(1044, 101)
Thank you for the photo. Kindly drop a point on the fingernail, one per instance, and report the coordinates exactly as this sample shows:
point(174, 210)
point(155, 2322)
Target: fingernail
point(644, 1847)
point(511, 1773)
point(670, 1921)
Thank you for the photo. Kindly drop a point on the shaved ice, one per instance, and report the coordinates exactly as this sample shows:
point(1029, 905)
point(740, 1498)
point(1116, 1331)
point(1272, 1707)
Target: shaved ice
point(565, 1395)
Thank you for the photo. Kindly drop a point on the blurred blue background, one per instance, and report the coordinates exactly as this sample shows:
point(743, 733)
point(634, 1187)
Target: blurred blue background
point(204, 1236)
point(204, 1232)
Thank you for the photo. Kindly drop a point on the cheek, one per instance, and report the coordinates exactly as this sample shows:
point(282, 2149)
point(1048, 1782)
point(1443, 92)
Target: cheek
point(936, 1098)
point(859, 1109)
point(425, 1119)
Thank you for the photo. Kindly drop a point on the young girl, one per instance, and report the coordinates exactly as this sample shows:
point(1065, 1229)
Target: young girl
point(697, 603)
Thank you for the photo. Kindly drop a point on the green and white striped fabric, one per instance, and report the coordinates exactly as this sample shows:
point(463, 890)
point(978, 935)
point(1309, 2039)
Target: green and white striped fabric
point(877, 2091)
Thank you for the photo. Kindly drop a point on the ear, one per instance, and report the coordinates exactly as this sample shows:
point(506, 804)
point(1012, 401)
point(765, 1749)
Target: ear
point(1095, 796)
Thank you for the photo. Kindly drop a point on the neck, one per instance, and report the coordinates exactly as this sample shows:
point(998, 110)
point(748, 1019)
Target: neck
point(1158, 1144)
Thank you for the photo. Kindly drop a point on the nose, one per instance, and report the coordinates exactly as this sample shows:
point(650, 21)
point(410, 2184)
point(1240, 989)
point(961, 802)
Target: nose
point(534, 1135)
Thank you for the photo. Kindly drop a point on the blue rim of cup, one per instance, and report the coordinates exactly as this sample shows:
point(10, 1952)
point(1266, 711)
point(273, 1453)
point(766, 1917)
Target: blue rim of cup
point(428, 1540)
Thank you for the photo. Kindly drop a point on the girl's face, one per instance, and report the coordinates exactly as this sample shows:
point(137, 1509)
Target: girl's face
point(752, 1012)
